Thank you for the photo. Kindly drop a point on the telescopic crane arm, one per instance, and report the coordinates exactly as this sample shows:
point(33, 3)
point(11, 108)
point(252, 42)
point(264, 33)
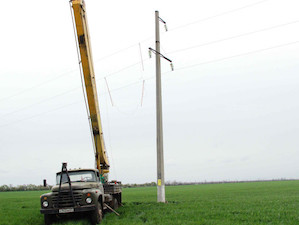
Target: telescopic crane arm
point(79, 13)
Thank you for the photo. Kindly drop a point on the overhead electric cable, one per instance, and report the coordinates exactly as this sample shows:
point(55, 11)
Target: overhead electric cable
point(124, 68)
point(130, 46)
point(238, 55)
point(108, 91)
point(37, 85)
point(235, 36)
point(180, 68)
point(142, 92)
point(117, 52)
point(109, 138)
point(38, 103)
point(71, 90)
point(40, 114)
point(218, 15)
point(142, 66)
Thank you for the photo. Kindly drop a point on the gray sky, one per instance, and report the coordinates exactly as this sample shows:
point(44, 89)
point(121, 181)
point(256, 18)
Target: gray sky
point(230, 108)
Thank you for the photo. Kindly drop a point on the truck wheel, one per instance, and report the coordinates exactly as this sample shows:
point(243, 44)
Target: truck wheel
point(49, 219)
point(97, 214)
point(115, 203)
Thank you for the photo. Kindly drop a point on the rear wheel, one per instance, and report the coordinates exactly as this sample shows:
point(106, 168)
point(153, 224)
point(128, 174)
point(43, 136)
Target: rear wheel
point(97, 214)
point(114, 203)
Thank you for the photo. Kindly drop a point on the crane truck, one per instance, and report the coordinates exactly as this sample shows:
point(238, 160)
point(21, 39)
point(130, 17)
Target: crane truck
point(84, 190)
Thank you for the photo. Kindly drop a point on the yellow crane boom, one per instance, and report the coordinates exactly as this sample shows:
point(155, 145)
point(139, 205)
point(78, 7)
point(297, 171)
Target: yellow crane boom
point(80, 18)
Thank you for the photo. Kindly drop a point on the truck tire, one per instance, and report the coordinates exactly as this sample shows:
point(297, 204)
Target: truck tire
point(49, 219)
point(97, 214)
point(114, 203)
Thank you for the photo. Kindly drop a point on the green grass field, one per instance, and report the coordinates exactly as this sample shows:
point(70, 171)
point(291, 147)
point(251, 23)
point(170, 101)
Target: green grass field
point(274, 202)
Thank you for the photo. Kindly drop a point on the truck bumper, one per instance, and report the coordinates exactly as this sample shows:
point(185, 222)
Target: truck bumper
point(84, 208)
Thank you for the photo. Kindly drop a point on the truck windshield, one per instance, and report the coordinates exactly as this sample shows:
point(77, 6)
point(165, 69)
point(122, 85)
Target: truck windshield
point(77, 176)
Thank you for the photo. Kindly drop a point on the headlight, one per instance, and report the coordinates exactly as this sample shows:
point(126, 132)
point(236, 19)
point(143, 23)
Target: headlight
point(88, 200)
point(45, 204)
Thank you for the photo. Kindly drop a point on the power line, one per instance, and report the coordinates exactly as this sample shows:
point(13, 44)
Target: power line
point(40, 102)
point(238, 55)
point(66, 73)
point(40, 114)
point(64, 106)
point(123, 69)
point(209, 18)
point(236, 36)
point(214, 61)
point(69, 72)
point(180, 68)
point(130, 46)
point(218, 15)
point(71, 90)
point(61, 107)
point(142, 93)
point(36, 86)
point(109, 138)
point(140, 52)
point(117, 52)
point(108, 91)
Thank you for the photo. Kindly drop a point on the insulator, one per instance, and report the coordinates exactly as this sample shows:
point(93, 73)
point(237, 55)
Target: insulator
point(165, 27)
point(171, 65)
point(150, 53)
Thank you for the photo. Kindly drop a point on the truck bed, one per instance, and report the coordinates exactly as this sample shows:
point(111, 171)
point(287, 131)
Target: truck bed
point(112, 188)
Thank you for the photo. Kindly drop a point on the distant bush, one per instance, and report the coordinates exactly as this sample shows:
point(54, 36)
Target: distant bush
point(151, 184)
point(176, 183)
point(24, 187)
point(33, 187)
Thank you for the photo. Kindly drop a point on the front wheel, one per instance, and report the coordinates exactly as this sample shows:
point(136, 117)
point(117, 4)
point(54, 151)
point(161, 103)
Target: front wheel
point(97, 214)
point(49, 219)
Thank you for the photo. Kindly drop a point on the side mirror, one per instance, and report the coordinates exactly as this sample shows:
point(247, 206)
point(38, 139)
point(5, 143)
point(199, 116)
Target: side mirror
point(45, 182)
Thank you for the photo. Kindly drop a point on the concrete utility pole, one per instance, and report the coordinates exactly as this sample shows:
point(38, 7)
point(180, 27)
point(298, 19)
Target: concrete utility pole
point(160, 153)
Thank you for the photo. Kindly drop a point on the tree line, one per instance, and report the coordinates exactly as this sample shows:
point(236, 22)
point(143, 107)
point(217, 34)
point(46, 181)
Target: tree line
point(33, 187)
point(177, 183)
point(24, 187)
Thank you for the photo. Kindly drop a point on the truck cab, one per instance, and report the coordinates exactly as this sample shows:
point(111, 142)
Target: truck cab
point(85, 193)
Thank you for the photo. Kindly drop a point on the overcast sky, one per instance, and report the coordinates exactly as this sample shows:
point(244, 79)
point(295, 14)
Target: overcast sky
point(230, 107)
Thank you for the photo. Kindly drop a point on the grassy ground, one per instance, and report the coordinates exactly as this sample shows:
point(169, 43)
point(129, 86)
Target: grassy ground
point(239, 203)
